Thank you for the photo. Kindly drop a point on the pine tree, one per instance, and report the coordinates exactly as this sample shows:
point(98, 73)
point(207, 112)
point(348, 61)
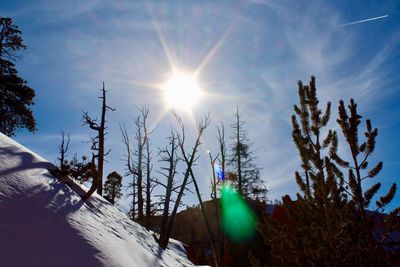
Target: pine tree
point(361, 199)
point(113, 187)
point(349, 126)
point(242, 163)
point(16, 96)
point(328, 224)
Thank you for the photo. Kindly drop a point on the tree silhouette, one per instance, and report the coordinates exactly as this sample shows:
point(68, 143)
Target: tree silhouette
point(168, 156)
point(84, 170)
point(16, 97)
point(328, 224)
point(63, 149)
point(242, 162)
point(130, 170)
point(190, 159)
point(112, 187)
point(149, 182)
point(98, 142)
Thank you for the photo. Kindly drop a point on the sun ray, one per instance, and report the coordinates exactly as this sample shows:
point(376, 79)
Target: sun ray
point(163, 42)
point(161, 115)
point(192, 118)
point(153, 85)
point(215, 48)
point(218, 96)
point(184, 95)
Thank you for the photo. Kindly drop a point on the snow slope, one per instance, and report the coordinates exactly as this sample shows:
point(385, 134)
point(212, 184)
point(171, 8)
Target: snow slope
point(43, 222)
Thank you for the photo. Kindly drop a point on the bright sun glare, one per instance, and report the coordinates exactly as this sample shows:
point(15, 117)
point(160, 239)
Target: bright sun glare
point(182, 91)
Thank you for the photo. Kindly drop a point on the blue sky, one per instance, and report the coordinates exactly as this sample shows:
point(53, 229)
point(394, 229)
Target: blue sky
point(256, 51)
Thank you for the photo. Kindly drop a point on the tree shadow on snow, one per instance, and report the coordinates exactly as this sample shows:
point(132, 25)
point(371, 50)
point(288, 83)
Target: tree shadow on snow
point(26, 160)
point(35, 226)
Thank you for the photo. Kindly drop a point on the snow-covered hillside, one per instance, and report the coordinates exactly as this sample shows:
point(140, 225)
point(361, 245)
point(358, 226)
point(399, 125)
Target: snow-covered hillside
point(45, 223)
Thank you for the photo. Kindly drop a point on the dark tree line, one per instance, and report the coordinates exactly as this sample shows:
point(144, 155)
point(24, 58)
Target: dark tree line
point(16, 97)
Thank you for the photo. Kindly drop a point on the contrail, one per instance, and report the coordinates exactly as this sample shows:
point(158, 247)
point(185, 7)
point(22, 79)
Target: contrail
point(364, 20)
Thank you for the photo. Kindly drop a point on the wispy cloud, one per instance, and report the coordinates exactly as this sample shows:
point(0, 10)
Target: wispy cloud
point(320, 48)
point(272, 45)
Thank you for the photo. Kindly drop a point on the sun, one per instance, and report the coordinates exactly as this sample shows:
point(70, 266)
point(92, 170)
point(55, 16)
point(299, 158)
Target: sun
point(182, 91)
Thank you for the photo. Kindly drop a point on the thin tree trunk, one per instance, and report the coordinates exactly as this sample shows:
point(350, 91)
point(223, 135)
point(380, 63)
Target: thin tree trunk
point(200, 129)
point(100, 162)
point(238, 153)
point(203, 211)
point(148, 179)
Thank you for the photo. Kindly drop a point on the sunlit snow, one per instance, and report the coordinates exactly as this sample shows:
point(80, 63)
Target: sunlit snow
point(43, 222)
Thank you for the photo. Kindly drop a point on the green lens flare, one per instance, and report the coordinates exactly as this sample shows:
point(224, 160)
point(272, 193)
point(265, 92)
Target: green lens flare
point(238, 220)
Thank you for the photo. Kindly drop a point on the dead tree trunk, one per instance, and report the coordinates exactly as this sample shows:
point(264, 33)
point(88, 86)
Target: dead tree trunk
point(138, 170)
point(222, 163)
point(63, 148)
point(214, 198)
point(95, 174)
point(238, 142)
point(98, 143)
point(148, 165)
point(190, 159)
point(168, 155)
point(203, 211)
point(141, 167)
point(130, 170)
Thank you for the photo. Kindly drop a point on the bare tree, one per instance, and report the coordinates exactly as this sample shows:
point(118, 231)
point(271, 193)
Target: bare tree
point(221, 177)
point(99, 140)
point(169, 156)
point(222, 150)
point(190, 160)
point(150, 185)
point(138, 170)
point(139, 165)
point(130, 171)
point(63, 148)
point(214, 197)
